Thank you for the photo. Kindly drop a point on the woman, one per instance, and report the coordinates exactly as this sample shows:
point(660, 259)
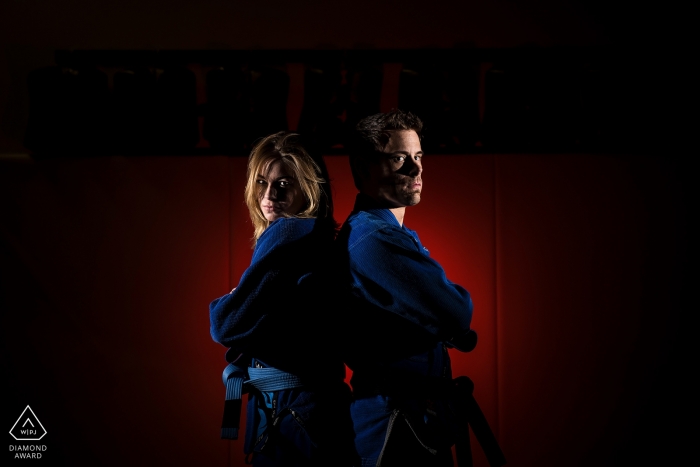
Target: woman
point(276, 321)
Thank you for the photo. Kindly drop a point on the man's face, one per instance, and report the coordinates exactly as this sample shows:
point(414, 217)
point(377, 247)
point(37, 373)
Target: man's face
point(395, 174)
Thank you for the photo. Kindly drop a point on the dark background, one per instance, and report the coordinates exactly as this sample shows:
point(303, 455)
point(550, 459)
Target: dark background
point(576, 260)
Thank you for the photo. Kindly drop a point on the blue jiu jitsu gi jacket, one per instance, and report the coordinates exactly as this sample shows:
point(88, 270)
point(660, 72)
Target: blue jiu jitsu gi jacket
point(274, 321)
point(401, 314)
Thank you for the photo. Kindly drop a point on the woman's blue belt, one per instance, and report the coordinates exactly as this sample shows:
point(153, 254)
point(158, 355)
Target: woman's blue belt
point(238, 380)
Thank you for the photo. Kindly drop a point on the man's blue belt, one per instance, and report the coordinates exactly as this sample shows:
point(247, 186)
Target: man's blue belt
point(238, 380)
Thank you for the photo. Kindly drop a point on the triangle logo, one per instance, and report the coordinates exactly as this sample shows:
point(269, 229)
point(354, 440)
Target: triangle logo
point(27, 427)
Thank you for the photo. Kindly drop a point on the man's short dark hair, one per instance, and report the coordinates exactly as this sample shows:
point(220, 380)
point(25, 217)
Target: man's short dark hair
point(371, 135)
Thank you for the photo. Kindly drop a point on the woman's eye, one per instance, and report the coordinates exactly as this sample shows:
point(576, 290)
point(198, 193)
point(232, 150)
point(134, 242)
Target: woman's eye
point(283, 184)
point(260, 182)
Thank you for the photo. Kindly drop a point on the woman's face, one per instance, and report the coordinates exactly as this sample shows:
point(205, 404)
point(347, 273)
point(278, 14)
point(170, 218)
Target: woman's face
point(280, 194)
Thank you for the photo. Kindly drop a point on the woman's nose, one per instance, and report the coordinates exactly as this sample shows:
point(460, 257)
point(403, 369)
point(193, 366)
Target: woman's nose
point(270, 192)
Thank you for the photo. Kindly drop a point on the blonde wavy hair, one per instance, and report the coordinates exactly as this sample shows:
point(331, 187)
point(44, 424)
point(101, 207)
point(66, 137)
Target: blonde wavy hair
point(308, 173)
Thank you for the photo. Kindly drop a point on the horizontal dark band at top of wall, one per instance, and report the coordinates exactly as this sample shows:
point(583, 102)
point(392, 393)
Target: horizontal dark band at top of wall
point(218, 57)
point(624, 152)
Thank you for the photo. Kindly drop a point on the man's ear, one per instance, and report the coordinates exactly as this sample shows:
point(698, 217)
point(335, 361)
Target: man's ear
point(363, 170)
point(360, 171)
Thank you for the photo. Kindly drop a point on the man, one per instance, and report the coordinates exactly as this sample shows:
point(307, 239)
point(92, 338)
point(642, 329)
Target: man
point(401, 311)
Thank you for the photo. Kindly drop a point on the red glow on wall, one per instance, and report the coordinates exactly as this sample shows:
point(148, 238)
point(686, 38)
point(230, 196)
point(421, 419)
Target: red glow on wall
point(574, 263)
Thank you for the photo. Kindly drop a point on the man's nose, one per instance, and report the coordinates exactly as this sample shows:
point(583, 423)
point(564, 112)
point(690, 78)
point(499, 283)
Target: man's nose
point(415, 168)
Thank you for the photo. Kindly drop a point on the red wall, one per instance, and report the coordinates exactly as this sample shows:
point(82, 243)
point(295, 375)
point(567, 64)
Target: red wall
point(574, 263)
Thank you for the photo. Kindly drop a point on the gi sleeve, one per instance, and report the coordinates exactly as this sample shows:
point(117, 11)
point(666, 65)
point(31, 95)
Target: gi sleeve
point(264, 289)
point(392, 272)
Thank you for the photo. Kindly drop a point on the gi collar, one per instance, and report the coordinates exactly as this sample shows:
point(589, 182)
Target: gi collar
point(368, 204)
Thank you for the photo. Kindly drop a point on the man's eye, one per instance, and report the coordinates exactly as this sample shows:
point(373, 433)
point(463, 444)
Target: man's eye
point(417, 158)
point(399, 158)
